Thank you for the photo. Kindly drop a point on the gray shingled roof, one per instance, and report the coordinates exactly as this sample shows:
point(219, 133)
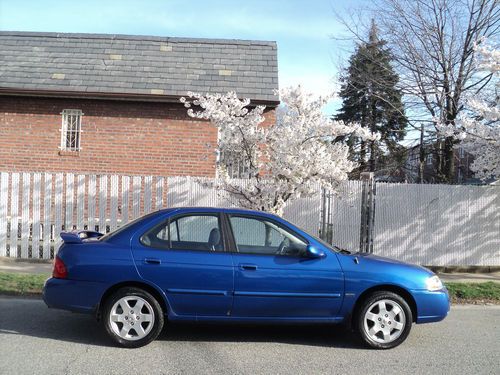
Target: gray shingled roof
point(136, 65)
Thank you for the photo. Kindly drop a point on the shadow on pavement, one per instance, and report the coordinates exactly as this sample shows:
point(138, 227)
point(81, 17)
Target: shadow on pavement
point(323, 335)
point(30, 317)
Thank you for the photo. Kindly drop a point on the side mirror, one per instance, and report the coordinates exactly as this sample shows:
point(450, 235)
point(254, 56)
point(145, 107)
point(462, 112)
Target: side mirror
point(313, 252)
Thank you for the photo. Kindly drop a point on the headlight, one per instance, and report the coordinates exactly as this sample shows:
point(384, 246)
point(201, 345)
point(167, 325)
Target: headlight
point(433, 283)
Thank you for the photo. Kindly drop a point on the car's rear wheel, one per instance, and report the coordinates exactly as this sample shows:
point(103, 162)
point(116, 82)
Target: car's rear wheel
point(384, 320)
point(132, 317)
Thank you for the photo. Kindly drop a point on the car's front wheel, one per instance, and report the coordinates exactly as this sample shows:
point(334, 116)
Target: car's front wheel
point(384, 320)
point(132, 317)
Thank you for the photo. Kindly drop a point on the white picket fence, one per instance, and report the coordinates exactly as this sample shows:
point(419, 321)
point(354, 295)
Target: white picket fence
point(36, 207)
point(438, 225)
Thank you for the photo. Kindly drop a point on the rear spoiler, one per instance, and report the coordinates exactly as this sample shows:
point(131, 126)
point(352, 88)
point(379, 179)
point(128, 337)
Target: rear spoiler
point(77, 236)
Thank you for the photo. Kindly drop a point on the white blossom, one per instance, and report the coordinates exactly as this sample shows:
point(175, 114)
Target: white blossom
point(488, 57)
point(286, 160)
point(479, 129)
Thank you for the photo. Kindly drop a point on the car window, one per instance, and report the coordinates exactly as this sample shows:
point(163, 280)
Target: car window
point(259, 236)
point(188, 232)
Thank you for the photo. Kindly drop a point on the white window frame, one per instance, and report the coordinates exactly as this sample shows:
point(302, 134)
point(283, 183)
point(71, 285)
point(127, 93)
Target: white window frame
point(73, 116)
point(235, 165)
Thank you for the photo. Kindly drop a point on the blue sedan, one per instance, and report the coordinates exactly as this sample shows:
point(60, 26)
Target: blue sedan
point(234, 265)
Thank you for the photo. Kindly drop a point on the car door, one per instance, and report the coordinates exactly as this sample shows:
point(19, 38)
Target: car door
point(275, 278)
point(186, 257)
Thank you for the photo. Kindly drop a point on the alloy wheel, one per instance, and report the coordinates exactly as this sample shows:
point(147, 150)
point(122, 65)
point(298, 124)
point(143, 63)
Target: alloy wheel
point(132, 318)
point(384, 321)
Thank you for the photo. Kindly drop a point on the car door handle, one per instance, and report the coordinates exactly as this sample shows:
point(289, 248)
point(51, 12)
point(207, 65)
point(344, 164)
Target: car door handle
point(152, 261)
point(248, 267)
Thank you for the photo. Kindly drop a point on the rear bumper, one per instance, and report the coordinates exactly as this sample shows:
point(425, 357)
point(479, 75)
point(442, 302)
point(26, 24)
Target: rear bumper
point(431, 306)
point(72, 295)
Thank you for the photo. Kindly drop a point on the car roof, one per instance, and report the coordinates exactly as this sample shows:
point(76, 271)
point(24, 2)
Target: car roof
point(232, 210)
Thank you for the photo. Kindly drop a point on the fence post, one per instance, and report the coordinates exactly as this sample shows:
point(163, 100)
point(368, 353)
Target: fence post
point(367, 212)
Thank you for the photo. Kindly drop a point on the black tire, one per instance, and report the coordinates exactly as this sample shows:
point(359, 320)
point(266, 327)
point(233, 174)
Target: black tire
point(379, 341)
point(152, 307)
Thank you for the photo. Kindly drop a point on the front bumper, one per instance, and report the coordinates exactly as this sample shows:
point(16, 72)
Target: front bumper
point(73, 295)
point(431, 306)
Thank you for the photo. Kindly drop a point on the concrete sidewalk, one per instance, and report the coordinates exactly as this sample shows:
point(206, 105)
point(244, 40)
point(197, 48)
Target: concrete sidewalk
point(26, 265)
point(470, 277)
point(45, 267)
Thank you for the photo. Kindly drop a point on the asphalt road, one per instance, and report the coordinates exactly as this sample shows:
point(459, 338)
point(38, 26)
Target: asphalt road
point(36, 340)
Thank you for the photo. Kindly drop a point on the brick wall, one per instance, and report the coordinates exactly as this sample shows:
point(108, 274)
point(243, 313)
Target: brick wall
point(122, 137)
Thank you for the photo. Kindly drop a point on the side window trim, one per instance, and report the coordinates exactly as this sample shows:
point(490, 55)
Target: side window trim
point(228, 237)
point(234, 247)
point(178, 232)
point(218, 215)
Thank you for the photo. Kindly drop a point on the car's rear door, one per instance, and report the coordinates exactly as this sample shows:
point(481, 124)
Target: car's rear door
point(275, 278)
point(186, 257)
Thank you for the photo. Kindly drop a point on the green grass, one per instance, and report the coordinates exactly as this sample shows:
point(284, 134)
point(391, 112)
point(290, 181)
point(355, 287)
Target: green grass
point(25, 284)
point(22, 284)
point(474, 292)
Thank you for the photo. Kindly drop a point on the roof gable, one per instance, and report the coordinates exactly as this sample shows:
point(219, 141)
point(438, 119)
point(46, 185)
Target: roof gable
point(137, 65)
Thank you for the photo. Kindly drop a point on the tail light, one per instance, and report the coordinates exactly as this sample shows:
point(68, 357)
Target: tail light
point(60, 271)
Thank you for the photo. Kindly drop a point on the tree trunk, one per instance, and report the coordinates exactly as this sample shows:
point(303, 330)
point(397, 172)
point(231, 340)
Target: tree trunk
point(362, 157)
point(449, 158)
point(421, 156)
point(373, 129)
point(371, 166)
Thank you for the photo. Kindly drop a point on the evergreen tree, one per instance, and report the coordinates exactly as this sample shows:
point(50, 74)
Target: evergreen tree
point(371, 98)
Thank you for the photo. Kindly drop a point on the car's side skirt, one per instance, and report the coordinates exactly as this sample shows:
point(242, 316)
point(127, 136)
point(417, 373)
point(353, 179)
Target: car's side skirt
point(263, 320)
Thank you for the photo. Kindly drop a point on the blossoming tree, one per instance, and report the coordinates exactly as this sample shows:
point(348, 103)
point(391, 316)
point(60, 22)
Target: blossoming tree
point(284, 161)
point(479, 131)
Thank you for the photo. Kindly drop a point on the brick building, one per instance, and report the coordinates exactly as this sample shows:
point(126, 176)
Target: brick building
point(89, 103)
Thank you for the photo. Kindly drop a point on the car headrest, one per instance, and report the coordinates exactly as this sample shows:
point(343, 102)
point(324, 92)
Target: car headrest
point(214, 237)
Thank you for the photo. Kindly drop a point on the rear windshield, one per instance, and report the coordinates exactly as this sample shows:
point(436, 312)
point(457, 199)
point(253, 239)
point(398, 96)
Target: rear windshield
point(123, 228)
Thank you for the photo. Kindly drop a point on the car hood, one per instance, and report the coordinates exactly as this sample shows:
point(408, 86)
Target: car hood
point(379, 269)
point(378, 258)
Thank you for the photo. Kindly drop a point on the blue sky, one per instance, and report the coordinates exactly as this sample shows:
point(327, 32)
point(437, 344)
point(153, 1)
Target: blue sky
point(307, 54)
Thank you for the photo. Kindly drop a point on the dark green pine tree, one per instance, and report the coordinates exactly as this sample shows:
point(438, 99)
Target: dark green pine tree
point(371, 98)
